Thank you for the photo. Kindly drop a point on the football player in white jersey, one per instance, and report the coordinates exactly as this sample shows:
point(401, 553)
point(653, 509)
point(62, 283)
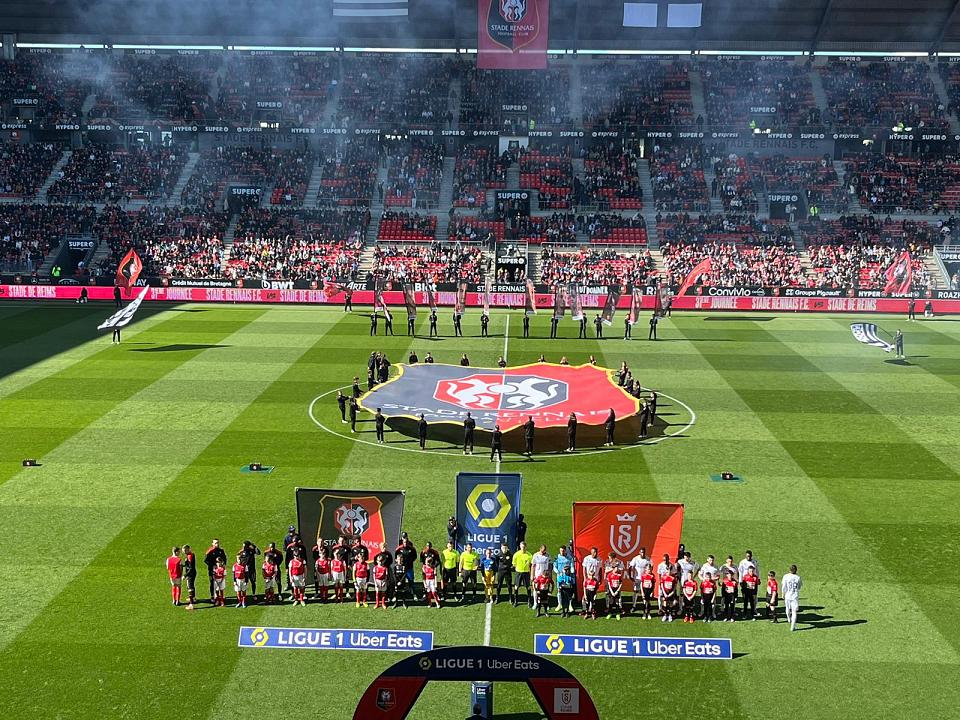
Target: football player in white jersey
point(790, 585)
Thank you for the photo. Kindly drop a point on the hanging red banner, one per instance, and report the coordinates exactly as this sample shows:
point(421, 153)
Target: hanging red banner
point(512, 34)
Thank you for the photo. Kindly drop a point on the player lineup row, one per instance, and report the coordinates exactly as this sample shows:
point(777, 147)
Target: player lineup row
point(680, 589)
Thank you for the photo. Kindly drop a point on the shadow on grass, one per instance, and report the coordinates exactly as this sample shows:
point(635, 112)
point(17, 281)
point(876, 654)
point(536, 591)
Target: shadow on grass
point(818, 621)
point(738, 319)
point(179, 347)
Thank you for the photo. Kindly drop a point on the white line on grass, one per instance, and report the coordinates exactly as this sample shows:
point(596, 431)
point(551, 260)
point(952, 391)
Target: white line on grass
point(488, 613)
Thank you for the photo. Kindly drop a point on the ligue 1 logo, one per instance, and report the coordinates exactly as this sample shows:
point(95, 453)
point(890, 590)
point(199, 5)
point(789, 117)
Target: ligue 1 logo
point(498, 392)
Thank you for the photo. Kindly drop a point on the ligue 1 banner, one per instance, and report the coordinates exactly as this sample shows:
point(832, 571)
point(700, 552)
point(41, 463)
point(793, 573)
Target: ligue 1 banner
point(488, 506)
point(371, 516)
point(512, 34)
point(622, 528)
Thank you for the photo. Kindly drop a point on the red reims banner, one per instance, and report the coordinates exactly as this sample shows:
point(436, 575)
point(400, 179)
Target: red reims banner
point(624, 527)
point(512, 34)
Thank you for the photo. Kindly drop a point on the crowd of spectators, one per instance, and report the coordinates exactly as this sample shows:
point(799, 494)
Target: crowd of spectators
point(676, 173)
point(860, 266)
point(542, 96)
point(29, 233)
point(735, 264)
point(775, 93)
point(287, 171)
point(156, 87)
point(478, 168)
point(648, 91)
point(893, 184)
point(594, 266)
point(548, 170)
point(414, 174)
point(681, 228)
point(437, 262)
point(349, 174)
point(25, 167)
point(733, 184)
point(464, 228)
point(610, 180)
point(881, 94)
point(272, 244)
point(275, 87)
point(171, 242)
point(48, 86)
point(98, 173)
point(817, 178)
point(614, 228)
point(404, 89)
point(407, 227)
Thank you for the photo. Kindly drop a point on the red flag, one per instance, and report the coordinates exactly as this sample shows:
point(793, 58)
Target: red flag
point(330, 289)
point(704, 266)
point(622, 528)
point(899, 275)
point(512, 34)
point(129, 269)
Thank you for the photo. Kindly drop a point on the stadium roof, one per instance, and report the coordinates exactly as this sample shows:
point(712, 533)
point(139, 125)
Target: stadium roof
point(743, 25)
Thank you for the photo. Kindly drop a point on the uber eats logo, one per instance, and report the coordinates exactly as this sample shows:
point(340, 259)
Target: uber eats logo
point(488, 506)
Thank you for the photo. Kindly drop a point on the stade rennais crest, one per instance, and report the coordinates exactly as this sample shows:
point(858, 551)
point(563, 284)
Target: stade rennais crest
point(546, 392)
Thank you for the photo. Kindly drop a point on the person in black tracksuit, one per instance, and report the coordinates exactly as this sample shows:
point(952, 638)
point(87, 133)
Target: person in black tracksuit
point(484, 325)
point(373, 324)
point(504, 572)
point(598, 325)
point(583, 327)
point(388, 325)
point(457, 329)
point(117, 297)
point(353, 414)
point(644, 419)
point(652, 335)
point(526, 325)
point(249, 559)
point(342, 404)
point(422, 432)
point(627, 327)
point(433, 323)
point(609, 425)
point(355, 390)
point(496, 444)
point(554, 322)
point(571, 433)
point(380, 420)
point(276, 557)
point(469, 425)
point(213, 555)
point(528, 429)
point(348, 301)
point(411, 325)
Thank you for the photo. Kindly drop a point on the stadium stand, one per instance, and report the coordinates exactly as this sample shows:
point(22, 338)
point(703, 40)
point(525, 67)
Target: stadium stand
point(775, 93)
point(395, 89)
point(649, 92)
point(105, 174)
point(279, 87)
point(23, 167)
point(894, 184)
point(543, 95)
point(407, 227)
point(477, 169)
point(349, 175)
point(414, 174)
point(678, 181)
point(435, 262)
point(549, 171)
point(593, 266)
point(611, 181)
point(50, 87)
point(29, 232)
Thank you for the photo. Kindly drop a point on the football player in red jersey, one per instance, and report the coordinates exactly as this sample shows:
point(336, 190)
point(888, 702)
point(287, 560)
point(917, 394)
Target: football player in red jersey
point(590, 587)
point(219, 582)
point(297, 572)
point(647, 582)
point(688, 599)
point(773, 595)
point(240, 581)
point(430, 583)
point(750, 584)
point(614, 583)
point(381, 579)
point(269, 569)
point(321, 572)
point(668, 596)
point(728, 591)
point(175, 571)
point(542, 585)
point(361, 576)
point(708, 591)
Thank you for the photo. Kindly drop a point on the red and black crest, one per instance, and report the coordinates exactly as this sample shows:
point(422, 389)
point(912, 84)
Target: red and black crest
point(513, 24)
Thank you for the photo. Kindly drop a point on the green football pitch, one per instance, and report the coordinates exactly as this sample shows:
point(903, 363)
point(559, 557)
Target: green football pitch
point(850, 463)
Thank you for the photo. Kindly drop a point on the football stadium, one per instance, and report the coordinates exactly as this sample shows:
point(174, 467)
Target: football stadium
point(519, 359)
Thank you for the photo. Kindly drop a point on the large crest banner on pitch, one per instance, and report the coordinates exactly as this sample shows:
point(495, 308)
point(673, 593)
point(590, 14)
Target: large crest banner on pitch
point(372, 516)
point(624, 527)
point(488, 505)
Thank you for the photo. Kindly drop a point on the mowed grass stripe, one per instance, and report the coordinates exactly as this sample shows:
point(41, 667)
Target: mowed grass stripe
point(66, 342)
point(32, 500)
point(428, 483)
point(54, 404)
point(802, 499)
point(186, 499)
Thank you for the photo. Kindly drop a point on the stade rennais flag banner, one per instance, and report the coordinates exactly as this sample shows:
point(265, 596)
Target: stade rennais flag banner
point(624, 527)
point(512, 34)
point(488, 505)
point(372, 516)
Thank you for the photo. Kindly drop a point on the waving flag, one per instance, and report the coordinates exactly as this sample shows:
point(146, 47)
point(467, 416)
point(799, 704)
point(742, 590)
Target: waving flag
point(486, 294)
point(704, 266)
point(378, 302)
point(867, 334)
point(610, 306)
point(129, 269)
point(530, 299)
point(331, 289)
point(122, 317)
point(410, 300)
point(636, 302)
point(899, 275)
point(573, 299)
